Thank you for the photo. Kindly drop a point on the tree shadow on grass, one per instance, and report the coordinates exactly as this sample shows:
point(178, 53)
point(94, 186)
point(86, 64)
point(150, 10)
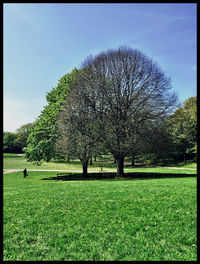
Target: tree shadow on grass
point(112, 176)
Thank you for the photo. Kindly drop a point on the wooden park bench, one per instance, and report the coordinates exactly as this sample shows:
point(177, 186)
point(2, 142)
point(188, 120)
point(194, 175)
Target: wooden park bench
point(63, 175)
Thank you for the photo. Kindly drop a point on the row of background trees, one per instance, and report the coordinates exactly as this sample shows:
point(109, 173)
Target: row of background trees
point(15, 142)
point(118, 102)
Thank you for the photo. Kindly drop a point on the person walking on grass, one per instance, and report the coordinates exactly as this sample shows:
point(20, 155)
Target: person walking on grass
point(25, 173)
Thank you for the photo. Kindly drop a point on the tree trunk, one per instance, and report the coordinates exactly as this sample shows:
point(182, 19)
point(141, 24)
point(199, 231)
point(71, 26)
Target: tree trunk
point(68, 158)
point(184, 157)
point(95, 158)
point(120, 166)
point(85, 166)
point(133, 160)
point(91, 160)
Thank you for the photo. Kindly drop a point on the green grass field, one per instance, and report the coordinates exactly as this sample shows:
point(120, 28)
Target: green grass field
point(119, 219)
point(12, 161)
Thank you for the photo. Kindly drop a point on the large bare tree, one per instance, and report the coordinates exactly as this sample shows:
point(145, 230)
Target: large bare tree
point(125, 90)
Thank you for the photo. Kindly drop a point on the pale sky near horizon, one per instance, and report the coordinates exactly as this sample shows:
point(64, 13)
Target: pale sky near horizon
point(42, 42)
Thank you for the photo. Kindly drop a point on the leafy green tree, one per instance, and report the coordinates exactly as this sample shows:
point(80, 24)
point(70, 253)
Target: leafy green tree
point(22, 134)
point(44, 132)
point(182, 126)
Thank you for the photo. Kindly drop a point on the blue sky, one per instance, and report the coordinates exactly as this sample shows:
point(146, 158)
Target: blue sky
point(42, 42)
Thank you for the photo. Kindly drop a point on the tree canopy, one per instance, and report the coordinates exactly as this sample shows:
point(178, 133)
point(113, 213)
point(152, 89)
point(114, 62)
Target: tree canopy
point(41, 141)
point(123, 91)
point(182, 126)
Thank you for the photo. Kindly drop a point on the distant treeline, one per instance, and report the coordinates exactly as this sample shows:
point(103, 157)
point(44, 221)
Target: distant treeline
point(15, 142)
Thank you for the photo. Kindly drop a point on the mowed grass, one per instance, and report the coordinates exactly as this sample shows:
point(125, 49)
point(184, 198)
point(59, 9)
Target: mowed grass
point(12, 161)
point(146, 219)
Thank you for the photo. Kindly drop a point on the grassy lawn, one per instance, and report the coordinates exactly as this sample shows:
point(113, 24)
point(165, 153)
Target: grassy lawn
point(148, 219)
point(192, 165)
point(12, 161)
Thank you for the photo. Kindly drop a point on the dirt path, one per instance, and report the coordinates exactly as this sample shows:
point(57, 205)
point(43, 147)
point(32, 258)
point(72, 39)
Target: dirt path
point(179, 168)
point(15, 170)
point(10, 170)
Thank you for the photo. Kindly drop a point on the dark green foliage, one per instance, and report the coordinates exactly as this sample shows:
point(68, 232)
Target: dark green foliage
point(15, 142)
point(10, 143)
